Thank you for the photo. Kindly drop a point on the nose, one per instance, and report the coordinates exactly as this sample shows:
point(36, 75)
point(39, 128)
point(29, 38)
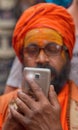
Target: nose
point(42, 58)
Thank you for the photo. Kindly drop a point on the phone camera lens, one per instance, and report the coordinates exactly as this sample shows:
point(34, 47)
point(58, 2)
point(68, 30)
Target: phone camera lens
point(37, 76)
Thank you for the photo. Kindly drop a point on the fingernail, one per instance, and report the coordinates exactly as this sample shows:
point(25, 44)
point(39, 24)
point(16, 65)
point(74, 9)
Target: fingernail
point(20, 92)
point(51, 88)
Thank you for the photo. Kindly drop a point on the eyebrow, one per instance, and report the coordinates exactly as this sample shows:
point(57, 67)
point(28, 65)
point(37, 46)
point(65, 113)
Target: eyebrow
point(34, 43)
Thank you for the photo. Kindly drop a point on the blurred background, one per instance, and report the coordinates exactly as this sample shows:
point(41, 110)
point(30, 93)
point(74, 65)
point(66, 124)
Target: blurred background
point(7, 23)
point(10, 10)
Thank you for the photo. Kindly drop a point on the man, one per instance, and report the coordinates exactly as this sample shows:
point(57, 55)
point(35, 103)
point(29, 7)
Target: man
point(15, 78)
point(40, 40)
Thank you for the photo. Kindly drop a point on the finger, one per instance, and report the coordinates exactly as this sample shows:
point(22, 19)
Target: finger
point(22, 107)
point(27, 100)
point(37, 90)
point(53, 96)
point(23, 120)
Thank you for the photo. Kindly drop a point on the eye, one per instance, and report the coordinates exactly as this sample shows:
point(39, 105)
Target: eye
point(32, 50)
point(53, 49)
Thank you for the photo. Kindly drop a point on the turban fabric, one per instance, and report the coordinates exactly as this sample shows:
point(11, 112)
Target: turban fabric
point(45, 15)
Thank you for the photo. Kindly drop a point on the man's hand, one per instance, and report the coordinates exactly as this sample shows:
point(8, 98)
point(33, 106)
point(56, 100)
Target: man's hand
point(11, 123)
point(39, 114)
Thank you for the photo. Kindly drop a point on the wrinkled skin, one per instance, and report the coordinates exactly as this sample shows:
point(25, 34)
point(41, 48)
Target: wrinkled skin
point(11, 124)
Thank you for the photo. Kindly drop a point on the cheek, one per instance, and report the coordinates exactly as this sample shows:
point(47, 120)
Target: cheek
point(57, 62)
point(29, 62)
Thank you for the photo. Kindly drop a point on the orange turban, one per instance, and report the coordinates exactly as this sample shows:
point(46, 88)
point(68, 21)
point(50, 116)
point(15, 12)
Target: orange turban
point(45, 15)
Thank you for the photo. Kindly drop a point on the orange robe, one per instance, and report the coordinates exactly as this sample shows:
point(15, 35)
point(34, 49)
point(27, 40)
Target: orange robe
point(63, 98)
point(4, 102)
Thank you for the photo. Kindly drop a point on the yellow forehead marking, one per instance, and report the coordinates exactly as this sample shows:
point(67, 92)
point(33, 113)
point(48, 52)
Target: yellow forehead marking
point(42, 36)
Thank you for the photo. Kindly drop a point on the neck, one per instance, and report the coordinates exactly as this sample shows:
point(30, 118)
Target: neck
point(73, 10)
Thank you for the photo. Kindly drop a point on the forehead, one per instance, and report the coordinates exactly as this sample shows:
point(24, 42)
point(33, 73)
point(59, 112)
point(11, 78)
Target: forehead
point(42, 36)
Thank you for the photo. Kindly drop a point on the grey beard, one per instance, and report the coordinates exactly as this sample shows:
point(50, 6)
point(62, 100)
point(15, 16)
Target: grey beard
point(60, 80)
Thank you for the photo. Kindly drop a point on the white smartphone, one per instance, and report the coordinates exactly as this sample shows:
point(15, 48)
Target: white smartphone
point(42, 77)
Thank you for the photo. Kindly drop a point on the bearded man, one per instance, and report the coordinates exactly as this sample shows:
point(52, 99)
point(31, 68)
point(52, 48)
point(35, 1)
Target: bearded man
point(44, 37)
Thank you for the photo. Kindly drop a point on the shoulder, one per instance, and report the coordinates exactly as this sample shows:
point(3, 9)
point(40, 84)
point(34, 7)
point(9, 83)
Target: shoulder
point(6, 99)
point(74, 91)
point(4, 102)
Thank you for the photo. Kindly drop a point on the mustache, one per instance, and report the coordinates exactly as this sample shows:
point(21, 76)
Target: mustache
point(47, 66)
